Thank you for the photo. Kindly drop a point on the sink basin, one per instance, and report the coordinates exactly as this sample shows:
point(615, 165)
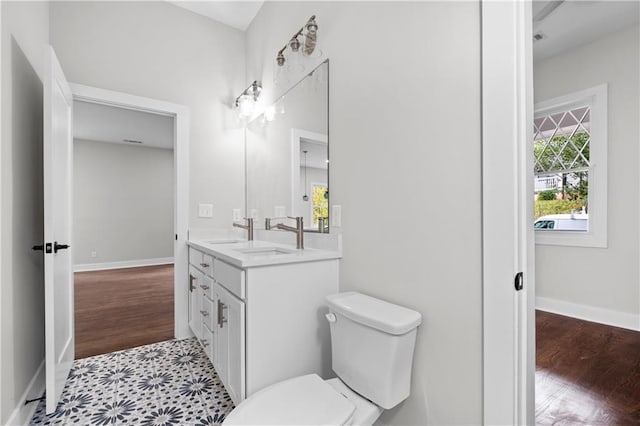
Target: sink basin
point(224, 241)
point(265, 251)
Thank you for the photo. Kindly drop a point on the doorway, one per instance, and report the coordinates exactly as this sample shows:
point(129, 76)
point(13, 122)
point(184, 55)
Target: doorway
point(585, 84)
point(123, 208)
point(178, 116)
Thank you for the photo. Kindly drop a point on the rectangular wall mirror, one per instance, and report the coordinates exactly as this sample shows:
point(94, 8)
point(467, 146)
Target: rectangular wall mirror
point(288, 155)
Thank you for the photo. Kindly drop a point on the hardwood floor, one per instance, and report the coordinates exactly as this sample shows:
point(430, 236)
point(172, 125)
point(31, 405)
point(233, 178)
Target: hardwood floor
point(122, 308)
point(586, 373)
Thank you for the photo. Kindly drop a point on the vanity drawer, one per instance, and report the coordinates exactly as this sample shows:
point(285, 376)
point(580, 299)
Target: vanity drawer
point(207, 286)
point(207, 264)
point(208, 313)
point(195, 257)
point(207, 341)
point(202, 261)
point(230, 277)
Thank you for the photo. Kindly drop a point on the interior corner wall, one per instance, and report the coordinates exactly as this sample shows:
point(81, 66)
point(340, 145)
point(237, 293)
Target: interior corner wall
point(597, 280)
point(123, 203)
point(24, 35)
point(404, 112)
point(161, 51)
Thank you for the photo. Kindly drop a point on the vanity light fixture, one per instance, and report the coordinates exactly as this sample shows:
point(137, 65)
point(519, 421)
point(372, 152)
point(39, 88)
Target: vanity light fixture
point(294, 44)
point(246, 102)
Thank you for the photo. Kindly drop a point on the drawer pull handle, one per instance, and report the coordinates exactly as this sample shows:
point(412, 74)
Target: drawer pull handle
point(204, 265)
point(204, 287)
point(204, 313)
point(221, 318)
point(191, 280)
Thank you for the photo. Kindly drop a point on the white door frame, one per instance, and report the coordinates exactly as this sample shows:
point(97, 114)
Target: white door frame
point(181, 182)
point(507, 198)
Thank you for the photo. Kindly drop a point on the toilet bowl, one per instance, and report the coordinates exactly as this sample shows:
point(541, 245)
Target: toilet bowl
point(372, 345)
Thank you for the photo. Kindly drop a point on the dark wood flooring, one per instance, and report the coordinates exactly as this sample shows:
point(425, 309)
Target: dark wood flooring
point(122, 308)
point(586, 373)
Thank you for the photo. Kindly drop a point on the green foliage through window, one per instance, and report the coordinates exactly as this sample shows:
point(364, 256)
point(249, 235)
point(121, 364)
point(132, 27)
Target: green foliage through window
point(320, 200)
point(561, 161)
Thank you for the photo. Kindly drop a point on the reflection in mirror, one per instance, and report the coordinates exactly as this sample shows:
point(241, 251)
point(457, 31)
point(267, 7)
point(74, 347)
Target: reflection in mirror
point(288, 156)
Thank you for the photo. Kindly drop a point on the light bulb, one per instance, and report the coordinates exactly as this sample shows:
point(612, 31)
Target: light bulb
point(245, 106)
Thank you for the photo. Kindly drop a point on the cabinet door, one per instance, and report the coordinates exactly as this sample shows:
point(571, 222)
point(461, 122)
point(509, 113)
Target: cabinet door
point(234, 325)
point(195, 301)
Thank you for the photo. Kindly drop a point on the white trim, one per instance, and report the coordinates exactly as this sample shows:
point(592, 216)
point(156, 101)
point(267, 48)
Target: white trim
point(507, 213)
point(2, 237)
point(596, 97)
point(23, 413)
point(84, 267)
point(589, 313)
point(181, 170)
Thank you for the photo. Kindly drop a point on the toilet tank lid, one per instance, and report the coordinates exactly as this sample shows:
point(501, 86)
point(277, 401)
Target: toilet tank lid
point(375, 313)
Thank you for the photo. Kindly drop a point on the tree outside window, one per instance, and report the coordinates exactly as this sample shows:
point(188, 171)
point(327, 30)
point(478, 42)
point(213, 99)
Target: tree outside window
point(562, 152)
point(320, 202)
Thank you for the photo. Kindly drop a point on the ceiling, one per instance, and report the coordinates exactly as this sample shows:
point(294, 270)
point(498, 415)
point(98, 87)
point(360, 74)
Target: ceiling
point(568, 24)
point(316, 153)
point(237, 14)
point(565, 24)
point(103, 123)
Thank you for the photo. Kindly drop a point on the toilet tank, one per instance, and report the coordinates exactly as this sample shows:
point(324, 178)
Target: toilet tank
point(372, 343)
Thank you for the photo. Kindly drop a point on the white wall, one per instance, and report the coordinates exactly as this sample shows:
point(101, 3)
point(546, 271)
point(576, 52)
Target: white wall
point(404, 111)
point(604, 280)
point(25, 32)
point(158, 50)
point(123, 202)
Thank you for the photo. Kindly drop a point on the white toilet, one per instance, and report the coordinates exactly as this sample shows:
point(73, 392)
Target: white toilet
point(372, 344)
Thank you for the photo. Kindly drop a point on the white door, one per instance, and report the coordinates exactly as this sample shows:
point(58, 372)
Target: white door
point(58, 272)
point(507, 201)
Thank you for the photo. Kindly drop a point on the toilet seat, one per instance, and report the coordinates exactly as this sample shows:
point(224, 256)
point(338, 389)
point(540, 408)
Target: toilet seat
point(303, 400)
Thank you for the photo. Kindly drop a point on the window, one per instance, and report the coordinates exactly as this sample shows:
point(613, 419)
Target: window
point(570, 169)
point(319, 202)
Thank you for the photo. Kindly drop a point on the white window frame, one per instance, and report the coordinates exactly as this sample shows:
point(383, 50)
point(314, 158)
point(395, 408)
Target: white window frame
point(596, 236)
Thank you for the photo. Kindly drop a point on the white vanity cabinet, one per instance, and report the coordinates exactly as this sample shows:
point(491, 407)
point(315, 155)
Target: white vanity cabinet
point(264, 323)
point(217, 318)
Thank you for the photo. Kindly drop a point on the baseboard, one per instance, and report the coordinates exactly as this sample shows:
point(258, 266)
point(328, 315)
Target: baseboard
point(589, 313)
point(23, 413)
point(124, 264)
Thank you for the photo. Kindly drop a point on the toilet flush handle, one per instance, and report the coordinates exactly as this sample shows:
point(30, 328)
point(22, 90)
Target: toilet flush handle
point(331, 317)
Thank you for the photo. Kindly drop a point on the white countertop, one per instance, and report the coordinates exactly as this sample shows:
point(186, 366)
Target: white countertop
point(246, 254)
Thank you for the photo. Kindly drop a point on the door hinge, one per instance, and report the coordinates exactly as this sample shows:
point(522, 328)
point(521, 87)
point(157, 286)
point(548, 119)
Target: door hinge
point(518, 282)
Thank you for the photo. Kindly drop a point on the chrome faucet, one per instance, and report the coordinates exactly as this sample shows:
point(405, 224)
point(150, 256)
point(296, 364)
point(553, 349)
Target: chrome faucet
point(299, 230)
point(321, 225)
point(248, 227)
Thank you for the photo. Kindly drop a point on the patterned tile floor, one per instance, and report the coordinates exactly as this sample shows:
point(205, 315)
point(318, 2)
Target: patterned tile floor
point(163, 384)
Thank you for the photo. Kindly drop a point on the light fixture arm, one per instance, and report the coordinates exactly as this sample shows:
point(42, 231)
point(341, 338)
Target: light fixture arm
point(294, 44)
